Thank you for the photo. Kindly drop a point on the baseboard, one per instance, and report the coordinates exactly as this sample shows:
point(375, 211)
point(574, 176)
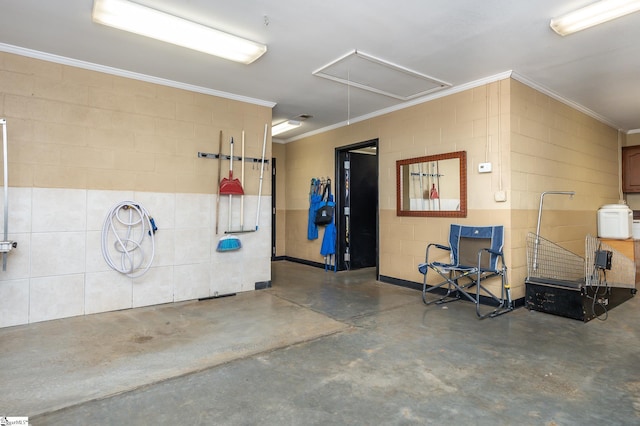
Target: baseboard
point(402, 283)
point(261, 285)
point(302, 261)
point(484, 300)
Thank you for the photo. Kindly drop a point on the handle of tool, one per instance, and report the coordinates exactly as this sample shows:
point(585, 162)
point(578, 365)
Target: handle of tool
point(242, 180)
point(264, 146)
point(219, 177)
point(231, 160)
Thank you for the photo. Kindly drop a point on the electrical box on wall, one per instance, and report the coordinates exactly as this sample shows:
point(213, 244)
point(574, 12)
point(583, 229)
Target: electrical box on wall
point(500, 196)
point(484, 168)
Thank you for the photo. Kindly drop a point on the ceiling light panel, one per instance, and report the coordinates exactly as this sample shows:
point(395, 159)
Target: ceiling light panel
point(593, 14)
point(358, 69)
point(138, 19)
point(285, 126)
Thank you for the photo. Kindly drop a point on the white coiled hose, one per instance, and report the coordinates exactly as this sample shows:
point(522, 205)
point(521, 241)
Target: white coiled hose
point(127, 224)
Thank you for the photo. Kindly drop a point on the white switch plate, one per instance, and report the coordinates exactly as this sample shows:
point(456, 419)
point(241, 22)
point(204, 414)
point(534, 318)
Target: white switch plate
point(484, 168)
point(500, 196)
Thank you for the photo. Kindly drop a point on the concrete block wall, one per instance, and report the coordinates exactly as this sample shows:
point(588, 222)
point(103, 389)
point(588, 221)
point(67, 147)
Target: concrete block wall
point(79, 142)
point(534, 142)
point(555, 147)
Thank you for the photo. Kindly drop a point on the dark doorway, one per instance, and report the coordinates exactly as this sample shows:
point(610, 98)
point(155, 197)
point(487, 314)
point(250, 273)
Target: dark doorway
point(357, 199)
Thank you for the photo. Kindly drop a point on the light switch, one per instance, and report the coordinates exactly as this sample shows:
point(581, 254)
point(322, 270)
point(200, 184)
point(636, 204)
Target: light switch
point(484, 168)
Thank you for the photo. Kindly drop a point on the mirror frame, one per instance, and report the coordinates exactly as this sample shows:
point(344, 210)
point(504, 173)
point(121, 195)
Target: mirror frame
point(462, 156)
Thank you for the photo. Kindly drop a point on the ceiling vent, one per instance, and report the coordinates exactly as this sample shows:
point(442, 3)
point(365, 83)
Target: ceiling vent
point(358, 69)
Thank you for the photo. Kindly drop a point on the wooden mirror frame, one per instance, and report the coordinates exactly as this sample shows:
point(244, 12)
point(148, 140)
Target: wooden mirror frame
point(462, 156)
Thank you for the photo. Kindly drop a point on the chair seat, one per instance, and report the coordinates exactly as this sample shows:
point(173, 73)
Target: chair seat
point(446, 267)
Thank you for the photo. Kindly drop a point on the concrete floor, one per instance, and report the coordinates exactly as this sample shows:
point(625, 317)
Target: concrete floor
point(323, 348)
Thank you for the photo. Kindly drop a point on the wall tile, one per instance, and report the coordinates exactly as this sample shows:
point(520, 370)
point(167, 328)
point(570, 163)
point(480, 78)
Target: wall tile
point(100, 203)
point(56, 210)
point(192, 246)
point(94, 259)
point(191, 281)
point(165, 247)
point(56, 297)
point(15, 302)
point(18, 259)
point(161, 207)
point(193, 211)
point(154, 287)
point(19, 207)
point(58, 253)
point(107, 291)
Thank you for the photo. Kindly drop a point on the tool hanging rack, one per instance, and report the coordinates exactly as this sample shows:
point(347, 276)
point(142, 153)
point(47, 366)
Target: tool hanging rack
point(235, 157)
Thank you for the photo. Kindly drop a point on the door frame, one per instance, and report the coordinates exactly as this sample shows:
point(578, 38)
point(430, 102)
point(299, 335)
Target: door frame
point(338, 189)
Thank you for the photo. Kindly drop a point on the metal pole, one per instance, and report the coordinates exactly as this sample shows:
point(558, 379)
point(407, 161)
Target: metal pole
point(6, 189)
point(537, 242)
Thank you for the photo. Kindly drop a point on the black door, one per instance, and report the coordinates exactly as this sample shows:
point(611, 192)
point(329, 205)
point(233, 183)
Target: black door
point(357, 213)
point(363, 209)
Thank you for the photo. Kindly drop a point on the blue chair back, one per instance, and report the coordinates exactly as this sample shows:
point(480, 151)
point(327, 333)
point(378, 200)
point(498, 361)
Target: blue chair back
point(466, 241)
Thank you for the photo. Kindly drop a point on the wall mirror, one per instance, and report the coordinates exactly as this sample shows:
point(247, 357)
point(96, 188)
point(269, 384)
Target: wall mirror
point(432, 186)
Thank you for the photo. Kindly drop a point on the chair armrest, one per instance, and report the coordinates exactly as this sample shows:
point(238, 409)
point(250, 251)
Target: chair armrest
point(496, 252)
point(438, 246)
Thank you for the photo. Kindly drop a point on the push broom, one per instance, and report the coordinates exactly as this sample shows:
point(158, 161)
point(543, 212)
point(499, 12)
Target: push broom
point(230, 187)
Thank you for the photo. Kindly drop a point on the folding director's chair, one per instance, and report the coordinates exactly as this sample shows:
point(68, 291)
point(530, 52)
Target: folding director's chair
point(475, 255)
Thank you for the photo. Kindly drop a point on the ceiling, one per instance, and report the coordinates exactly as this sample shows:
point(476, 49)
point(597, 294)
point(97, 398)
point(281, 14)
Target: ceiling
point(462, 43)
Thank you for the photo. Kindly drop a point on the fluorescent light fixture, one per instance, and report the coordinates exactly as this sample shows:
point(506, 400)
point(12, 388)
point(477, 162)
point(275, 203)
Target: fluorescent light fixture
point(285, 126)
point(135, 18)
point(593, 14)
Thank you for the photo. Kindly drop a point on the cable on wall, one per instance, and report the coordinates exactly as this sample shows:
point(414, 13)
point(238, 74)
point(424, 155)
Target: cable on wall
point(488, 108)
point(499, 136)
point(620, 191)
point(125, 232)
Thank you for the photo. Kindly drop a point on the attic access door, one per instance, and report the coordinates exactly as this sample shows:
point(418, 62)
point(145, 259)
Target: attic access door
point(357, 215)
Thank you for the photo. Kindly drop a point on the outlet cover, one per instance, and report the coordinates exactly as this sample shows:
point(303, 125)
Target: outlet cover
point(484, 168)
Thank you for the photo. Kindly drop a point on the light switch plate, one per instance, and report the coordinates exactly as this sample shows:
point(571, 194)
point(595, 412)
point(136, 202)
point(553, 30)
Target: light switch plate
point(484, 168)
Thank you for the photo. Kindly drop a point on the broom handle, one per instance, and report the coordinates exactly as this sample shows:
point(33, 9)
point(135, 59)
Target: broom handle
point(230, 178)
point(219, 176)
point(231, 161)
point(242, 180)
point(264, 146)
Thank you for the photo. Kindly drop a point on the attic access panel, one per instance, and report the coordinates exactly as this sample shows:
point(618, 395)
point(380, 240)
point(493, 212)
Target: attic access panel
point(358, 69)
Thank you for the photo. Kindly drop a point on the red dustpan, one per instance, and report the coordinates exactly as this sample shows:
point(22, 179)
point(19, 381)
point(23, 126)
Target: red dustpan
point(231, 186)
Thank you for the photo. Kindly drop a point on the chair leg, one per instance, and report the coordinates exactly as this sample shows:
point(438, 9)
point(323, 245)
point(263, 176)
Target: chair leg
point(504, 301)
point(451, 288)
point(455, 290)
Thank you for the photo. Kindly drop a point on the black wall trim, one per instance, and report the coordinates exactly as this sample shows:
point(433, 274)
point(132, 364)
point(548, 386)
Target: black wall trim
point(401, 283)
point(302, 261)
point(261, 285)
point(418, 286)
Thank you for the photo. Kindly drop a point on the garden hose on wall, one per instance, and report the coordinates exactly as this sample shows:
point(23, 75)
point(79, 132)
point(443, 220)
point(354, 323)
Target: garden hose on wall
point(126, 226)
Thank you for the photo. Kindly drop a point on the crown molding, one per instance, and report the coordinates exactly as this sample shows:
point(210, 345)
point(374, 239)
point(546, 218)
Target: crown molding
point(36, 54)
point(437, 95)
point(524, 80)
